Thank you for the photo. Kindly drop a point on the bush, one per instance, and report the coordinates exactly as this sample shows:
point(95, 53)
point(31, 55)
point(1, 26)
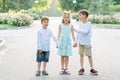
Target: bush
point(17, 19)
point(74, 16)
point(106, 19)
point(115, 8)
point(95, 19)
point(4, 18)
point(33, 13)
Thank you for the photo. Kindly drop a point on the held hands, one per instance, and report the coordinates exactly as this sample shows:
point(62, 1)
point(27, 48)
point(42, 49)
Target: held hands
point(75, 45)
point(40, 51)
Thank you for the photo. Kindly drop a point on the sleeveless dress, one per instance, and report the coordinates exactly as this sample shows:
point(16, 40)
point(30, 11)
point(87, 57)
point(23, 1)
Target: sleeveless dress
point(64, 43)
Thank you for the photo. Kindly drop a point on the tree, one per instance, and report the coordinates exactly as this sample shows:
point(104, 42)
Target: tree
point(66, 4)
point(117, 1)
point(19, 4)
point(95, 7)
point(105, 6)
point(41, 5)
point(100, 6)
point(16, 5)
point(69, 5)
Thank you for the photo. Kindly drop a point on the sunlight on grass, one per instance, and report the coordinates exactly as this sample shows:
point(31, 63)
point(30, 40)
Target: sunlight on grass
point(109, 25)
point(3, 26)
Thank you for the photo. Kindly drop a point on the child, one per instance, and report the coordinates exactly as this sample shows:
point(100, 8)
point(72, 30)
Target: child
point(83, 38)
point(64, 42)
point(43, 43)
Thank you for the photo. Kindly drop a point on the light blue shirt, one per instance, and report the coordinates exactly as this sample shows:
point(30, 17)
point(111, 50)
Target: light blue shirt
point(43, 40)
point(83, 33)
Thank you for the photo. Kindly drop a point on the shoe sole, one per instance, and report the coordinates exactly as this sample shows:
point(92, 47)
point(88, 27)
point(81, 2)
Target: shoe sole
point(81, 74)
point(94, 73)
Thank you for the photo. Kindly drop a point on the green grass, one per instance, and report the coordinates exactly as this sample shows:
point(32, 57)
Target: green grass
point(108, 25)
point(5, 26)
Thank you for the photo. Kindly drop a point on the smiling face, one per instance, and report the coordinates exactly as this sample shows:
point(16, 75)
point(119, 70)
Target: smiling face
point(45, 23)
point(66, 18)
point(81, 16)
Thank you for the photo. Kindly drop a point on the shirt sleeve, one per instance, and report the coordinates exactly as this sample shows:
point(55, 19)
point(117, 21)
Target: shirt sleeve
point(53, 37)
point(85, 30)
point(39, 41)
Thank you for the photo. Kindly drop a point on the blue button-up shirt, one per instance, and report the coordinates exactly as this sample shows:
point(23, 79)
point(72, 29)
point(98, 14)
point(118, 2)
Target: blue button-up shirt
point(43, 40)
point(83, 33)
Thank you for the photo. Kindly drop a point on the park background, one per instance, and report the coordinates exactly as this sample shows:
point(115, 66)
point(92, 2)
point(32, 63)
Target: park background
point(22, 12)
point(20, 21)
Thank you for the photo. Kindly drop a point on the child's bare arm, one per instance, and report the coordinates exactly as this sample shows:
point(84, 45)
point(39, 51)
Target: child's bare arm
point(73, 36)
point(59, 30)
point(72, 31)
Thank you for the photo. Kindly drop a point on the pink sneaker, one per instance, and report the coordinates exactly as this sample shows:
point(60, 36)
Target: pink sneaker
point(81, 72)
point(93, 71)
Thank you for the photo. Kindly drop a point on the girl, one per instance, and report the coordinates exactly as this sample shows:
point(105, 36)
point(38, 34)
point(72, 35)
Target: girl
point(64, 42)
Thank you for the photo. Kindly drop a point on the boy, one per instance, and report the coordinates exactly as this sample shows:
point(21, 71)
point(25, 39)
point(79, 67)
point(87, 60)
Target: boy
point(83, 38)
point(43, 42)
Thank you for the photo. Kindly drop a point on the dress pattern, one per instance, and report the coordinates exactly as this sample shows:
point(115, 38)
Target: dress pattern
point(64, 43)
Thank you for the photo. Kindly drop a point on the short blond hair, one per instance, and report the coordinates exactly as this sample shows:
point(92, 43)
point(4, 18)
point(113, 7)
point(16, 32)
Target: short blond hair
point(44, 18)
point(64, 13)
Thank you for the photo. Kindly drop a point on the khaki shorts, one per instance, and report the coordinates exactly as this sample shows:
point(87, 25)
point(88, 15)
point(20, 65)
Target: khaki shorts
point(85, 49)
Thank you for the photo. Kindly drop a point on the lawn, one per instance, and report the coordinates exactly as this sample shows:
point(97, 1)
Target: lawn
point(108, 25)
point(5, 26)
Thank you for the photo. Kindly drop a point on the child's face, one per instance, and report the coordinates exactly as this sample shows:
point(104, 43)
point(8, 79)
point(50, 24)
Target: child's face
point(45, 23)
point(81, 16)
point(66, 18)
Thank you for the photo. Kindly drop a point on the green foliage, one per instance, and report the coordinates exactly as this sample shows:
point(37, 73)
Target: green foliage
point(115, 8)
point(100, 7)
point(33, 13)
point(105, 19)
point(17, 4)
point(17, 19)
point(117, 1)
point(41, 5)
point(66, 4)
point(69, 5)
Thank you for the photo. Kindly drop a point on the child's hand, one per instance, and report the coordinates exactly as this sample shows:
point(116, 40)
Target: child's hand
point(73, 29)
point(56, 46)
point(75, 45)
point(40, 51)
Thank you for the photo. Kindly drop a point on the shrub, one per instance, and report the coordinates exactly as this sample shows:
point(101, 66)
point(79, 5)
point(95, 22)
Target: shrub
point(4, 18)
point(17, 19)
point(33, 13)
point(106, 19)
point(115, 8)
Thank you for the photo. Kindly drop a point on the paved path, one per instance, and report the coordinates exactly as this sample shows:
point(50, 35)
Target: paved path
point(17, 60)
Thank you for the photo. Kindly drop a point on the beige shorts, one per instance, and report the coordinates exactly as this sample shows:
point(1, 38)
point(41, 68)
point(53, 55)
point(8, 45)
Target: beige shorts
point(85, 49)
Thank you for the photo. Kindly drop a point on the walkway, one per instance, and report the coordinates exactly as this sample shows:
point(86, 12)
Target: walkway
point(17, 60)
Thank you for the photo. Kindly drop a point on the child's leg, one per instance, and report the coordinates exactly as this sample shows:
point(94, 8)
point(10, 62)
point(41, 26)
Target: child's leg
point(81, 52)
point(39, 66)
point(45, 59)
point(44, 66)
point(62, 62)
point(90, 61)
point(66, 65)
point(81, 60)
point(66, 62)
point(93, 71)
